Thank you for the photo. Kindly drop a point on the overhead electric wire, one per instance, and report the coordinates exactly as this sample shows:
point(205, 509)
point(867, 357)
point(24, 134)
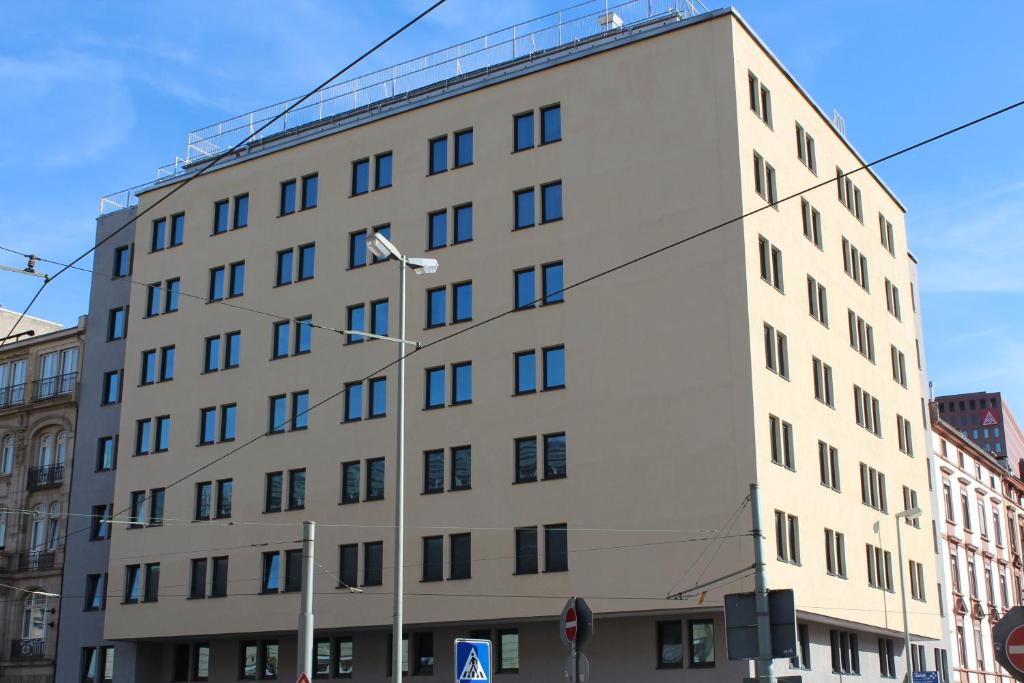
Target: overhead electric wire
point(217, 157)
point(728, 525)
point(608, 271)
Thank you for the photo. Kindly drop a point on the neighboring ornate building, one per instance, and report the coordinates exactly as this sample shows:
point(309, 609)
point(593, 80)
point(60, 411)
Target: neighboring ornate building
point(38, 406)
point(980, 541)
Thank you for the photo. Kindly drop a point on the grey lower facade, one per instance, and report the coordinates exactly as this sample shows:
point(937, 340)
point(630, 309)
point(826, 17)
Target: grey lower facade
point(92, 483)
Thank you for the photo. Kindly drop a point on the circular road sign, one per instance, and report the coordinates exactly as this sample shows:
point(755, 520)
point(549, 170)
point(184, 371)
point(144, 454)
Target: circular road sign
point(1015, 647)
point(569, 626)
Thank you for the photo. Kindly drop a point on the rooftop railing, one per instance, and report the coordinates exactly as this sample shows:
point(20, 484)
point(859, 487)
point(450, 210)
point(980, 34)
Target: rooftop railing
point(527, 40)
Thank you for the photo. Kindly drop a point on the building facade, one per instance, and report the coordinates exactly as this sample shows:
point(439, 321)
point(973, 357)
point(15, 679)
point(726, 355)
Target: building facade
point(986, 419)
point(83, 653)
point(980, 542)
point(569, 448)
point(39, 390)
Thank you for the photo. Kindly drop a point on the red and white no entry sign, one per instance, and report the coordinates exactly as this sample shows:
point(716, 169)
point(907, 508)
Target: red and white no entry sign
point(569, 625)
point(1015, 647)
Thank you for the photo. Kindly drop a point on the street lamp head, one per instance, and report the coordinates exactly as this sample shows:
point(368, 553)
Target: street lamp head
point(912, 513)
point(381, 247)
point(422, 266)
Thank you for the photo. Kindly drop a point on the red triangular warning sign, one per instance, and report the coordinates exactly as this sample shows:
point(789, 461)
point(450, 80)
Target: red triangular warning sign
point(989, 419)
point(303, 678)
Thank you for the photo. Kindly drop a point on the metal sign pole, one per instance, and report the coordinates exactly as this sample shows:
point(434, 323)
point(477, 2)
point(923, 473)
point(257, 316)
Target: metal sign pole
point(765, 665)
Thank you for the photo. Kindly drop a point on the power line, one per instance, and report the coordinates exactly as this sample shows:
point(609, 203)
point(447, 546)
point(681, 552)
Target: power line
point(611, 270)
point(214, 159)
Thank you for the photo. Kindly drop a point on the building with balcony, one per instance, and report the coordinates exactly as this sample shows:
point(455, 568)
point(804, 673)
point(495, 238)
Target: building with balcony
point(593, 442)
point(39, 387)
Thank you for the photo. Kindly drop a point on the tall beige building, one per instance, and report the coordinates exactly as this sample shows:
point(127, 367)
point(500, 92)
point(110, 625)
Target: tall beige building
point(39, 371)
point(599, 442)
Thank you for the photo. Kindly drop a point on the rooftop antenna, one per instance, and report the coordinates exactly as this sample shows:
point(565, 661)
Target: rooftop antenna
point(839, 122)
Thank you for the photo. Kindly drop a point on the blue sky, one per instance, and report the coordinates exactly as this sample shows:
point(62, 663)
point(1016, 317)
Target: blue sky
point(99, 94)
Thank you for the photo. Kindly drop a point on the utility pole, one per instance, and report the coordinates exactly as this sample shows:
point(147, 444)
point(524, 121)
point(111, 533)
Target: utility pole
point(304, 655)
point(765, 664)
point(910, 515)
point(396, 638)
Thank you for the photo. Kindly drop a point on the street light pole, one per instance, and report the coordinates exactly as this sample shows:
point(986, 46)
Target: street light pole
point(381, 247)
point(396, 638)
point(913, 513)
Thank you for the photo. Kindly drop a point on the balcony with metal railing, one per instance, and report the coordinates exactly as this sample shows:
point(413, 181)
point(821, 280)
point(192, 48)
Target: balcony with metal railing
point(26, 649)
point(526, 41)
point(37, 561)
point(12, 395)
point(48, 477)
point(54, 387)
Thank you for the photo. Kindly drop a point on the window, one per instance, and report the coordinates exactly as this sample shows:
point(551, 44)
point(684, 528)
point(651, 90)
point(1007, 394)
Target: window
point(143, 435)
point(835, 553)
point(879, 568)
point(360, 177)
point(812, 223)
point(805, 149)
point(297, 489)
point(375, 479)
point(525, 459)
point(219, 584)
point(156, 507)
point(464, 148)
point(241, 218)
point(147, 375)
point(433, 558)
point(287, 197)
point(278, 414)
point(817, 300)
point(554, 368)
point(462, 383)
point(116, 322)
point(872, 488)
point(803, 656)
point(284, 268)
point(437, 230)
point(204, 498)
point(556, 548)
point(526, 372)
point(355, 320)
point(310, 184)
point(207, 426)
point(111, 387)
point(885, 233)
point(522, 126)
point(462, 302)
point(177, 230)
point(106, 458)
point(776, 352)
point(526, 550)
point(132, 589)
point(552, 283)
point(764, 180)
point(855, 264)
point(460, 556)
point(892, 299)
point(152, 591)
point(153, 300)
point(904, 432)
point(293, 570)
point(166, 363)
point(197, 579)
point(224, 490)
point(770, 258)
point(137, 510)
point(917, 582)
point(350, 485)
point(433, 471)
point(272, 496)
point(348, 565)
point(95, 592)
point(550, 124)
point(300, 410)
point(887, 657)
point(270, 581)
point(122, 261)
point(436, 304)
point(670, 645)
point(781, 435)
point(220, 216)
point(551, 202)
point(899, 366)
point(554, 456)
point(823, 390)
point(379, 317)
point(701, 635)
point(525, 209)
point(463, 223)
point(172, 290)
point(461, 469)
point(867, 411)
point(382, 171)
point(216, 290)
point(862, 336)
point(787, 537)
point(236, 279)
point(845, 652)
point(849, 195)
point(373, 563)
point(357, 249)
point(158, 235)
point(307, 262)
point(439, 155)
point(760, 99)
point(434, 388)
point(828, 461)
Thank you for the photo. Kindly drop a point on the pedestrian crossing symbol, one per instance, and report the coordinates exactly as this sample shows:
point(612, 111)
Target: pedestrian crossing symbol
point(472, 660)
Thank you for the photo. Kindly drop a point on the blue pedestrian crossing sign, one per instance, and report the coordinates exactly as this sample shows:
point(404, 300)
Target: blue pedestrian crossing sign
point(472, 660)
